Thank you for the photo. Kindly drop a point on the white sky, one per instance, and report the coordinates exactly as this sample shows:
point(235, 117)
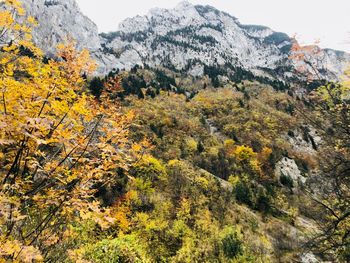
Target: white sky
point(324, 20)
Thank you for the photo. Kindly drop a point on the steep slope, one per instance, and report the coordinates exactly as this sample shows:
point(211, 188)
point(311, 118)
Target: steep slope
point(216, 174)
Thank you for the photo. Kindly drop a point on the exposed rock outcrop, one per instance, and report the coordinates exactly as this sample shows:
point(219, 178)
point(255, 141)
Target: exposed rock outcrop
point(287, 169)
point(185, 38)
point(202, 35)
point(59, 21)
point(305, 139)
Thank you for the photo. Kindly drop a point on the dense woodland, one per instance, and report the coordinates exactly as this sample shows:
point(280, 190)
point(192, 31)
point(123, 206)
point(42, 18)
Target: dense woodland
point(151, 165)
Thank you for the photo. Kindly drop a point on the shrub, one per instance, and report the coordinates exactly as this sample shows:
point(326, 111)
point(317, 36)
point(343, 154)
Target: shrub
point(149, 168)
point(244, 153)
point(231, 245)
point(286, 181)
point(263, 203)
point(243, 194)
point(120, 250)
point(96, 87)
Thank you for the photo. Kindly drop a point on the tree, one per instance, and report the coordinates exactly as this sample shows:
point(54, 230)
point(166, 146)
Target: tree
point(333, 106)
point(309, 60)
point(331, 116)
point(96, 87)
point(56, 143)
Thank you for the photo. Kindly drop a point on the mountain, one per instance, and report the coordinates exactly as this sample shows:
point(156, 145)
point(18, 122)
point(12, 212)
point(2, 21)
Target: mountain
point(214, 149)
point(59, 21)
point(192, 36)
point(186, 38)
point(189, 37)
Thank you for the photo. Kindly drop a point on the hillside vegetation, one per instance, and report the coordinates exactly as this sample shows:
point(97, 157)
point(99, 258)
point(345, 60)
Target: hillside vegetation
point(153, 165)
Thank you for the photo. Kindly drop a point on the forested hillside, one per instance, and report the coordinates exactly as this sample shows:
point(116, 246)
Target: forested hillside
point(154, 164)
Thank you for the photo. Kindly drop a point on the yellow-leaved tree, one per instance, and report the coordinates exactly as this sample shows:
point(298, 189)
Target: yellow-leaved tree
point(331, 117)
point(56, 143)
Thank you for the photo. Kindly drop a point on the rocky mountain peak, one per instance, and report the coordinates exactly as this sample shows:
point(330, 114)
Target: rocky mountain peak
point(60, 20)
point(184, 5)
point(192, 37)
point(187, 38)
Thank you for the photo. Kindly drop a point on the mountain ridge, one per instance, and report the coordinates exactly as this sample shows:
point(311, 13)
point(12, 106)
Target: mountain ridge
point(187, 38)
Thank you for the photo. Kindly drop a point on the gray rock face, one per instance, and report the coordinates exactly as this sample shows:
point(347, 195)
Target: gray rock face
point(187, 33)
point(59, 21)
point(305, 139)
point(309, 258)
point(186, 38)
point(202, 35)
point(287, 167)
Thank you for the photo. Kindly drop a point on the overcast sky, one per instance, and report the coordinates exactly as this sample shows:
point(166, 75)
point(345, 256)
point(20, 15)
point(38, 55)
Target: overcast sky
point(324, 20)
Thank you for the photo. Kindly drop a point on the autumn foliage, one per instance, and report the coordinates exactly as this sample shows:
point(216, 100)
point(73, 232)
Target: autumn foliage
point(56, 144)
point(309, 60)
point(165, 175)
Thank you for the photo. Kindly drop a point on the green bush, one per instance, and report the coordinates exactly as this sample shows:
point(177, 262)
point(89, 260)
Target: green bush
point(232, 246)
point(243, 194)
point(286, 181)
point(96, 87)
point(263, 203)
